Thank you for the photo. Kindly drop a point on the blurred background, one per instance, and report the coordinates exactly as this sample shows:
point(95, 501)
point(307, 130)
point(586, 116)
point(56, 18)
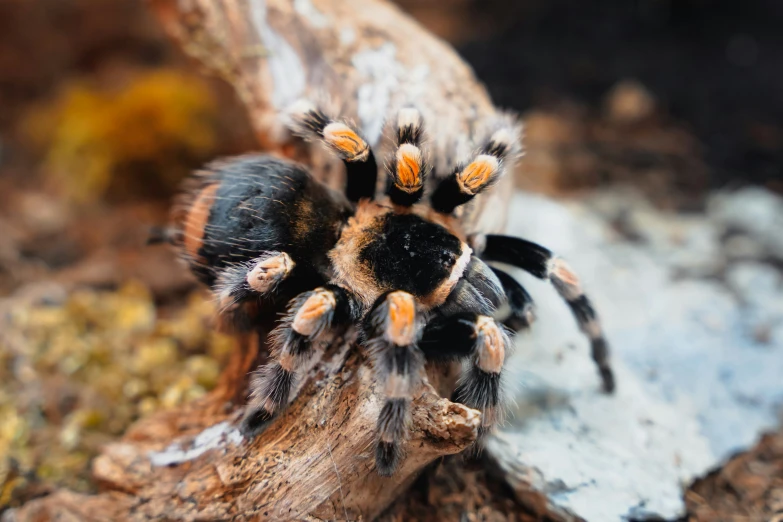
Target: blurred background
point(101, 116)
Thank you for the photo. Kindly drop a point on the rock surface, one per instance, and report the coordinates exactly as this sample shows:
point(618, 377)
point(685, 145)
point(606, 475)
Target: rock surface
point(693, 309)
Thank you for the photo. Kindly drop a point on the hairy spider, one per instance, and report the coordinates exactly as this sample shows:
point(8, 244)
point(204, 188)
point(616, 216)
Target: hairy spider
point(261, 231)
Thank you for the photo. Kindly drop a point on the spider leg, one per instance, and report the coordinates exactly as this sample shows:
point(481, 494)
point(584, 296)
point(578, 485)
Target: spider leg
point(518, 311)
point(256, 278)
point(542, 263)
point(481, 172)
point(482, 339)
point(309, 315)
point(392, 329)
point(361, 168)
point(407, 167)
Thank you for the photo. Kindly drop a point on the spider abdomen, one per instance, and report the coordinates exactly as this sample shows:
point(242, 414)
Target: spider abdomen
point(251, 205)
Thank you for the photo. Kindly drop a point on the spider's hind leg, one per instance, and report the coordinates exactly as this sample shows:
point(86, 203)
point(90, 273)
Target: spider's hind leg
point(392, 329)
point(517, 312)
point(544, 264)
point(309, 315)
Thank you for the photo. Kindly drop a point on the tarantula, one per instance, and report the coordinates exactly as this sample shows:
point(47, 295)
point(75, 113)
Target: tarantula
point(260, 230)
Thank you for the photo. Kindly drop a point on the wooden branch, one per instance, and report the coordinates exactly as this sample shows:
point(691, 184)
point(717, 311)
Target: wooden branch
point(316, 461)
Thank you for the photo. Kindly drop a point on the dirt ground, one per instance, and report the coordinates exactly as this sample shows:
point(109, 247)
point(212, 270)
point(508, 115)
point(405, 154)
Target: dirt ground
point(72, 246)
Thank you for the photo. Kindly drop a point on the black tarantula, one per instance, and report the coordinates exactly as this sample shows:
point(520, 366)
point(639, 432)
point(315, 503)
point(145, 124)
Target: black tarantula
point(261, 231)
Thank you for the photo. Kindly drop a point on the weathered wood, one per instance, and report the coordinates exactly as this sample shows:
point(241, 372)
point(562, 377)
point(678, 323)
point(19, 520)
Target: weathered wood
point(316, 461)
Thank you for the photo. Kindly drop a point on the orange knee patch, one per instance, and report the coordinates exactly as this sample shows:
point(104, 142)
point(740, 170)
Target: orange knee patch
point(401, 323)
point(409, 170)
point(478, 174)
point(491, 354)
point(560, 270)
point(345, 141)
point(309, 317)
point(269, 272)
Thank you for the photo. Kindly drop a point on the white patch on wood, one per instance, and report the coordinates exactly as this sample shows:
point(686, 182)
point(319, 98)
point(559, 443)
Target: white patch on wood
point(347, 35)
point(310, 13)
point(381, 71)
point(214, 437)
point(288, 75)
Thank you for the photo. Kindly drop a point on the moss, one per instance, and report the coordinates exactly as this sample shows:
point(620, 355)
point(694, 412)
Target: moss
point(76, 374)
point(141, 137)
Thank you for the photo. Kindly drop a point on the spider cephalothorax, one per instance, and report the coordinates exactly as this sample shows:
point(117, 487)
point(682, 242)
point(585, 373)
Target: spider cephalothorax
point(261, 231)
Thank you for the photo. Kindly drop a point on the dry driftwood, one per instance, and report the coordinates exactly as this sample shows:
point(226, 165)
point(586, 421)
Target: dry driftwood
point(315, 462)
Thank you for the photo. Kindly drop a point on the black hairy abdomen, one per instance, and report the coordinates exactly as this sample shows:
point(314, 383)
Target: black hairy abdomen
point(267, 204)
point(411, 254)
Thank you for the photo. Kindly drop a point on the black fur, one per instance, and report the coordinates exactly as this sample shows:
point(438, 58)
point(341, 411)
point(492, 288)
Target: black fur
point(410, 134)
point(400, 197)
point(449, 338)
point(271, 382)
point(600, 353)
point(388, 456)
point(499, 150)
point(526, 255)
point(448, 196)
point(267, 204)
point(411, 254)
point(345, 310)
point(519, 301)
point(253, 423)
point(315, 121)
point(235, 278)
point(361, 178)
point(406, 361)
point(294, 343)
point(392, 419)
point(277, 384)
point(584, 312)
point(479, 389)
point(391, 430)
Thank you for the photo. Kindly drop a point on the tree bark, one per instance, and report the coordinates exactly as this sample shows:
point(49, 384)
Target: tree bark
point(316, 461)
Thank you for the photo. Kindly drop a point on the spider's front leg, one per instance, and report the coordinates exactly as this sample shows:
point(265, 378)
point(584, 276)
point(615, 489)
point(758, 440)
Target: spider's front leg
point(309, 315)
point(343, 139)
point(481, 339)
point(544, 264)
point(391, 329)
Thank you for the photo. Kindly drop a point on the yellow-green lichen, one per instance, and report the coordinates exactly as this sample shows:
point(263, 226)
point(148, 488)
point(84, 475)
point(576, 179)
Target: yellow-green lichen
point(142, 136)
point(75, 374)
